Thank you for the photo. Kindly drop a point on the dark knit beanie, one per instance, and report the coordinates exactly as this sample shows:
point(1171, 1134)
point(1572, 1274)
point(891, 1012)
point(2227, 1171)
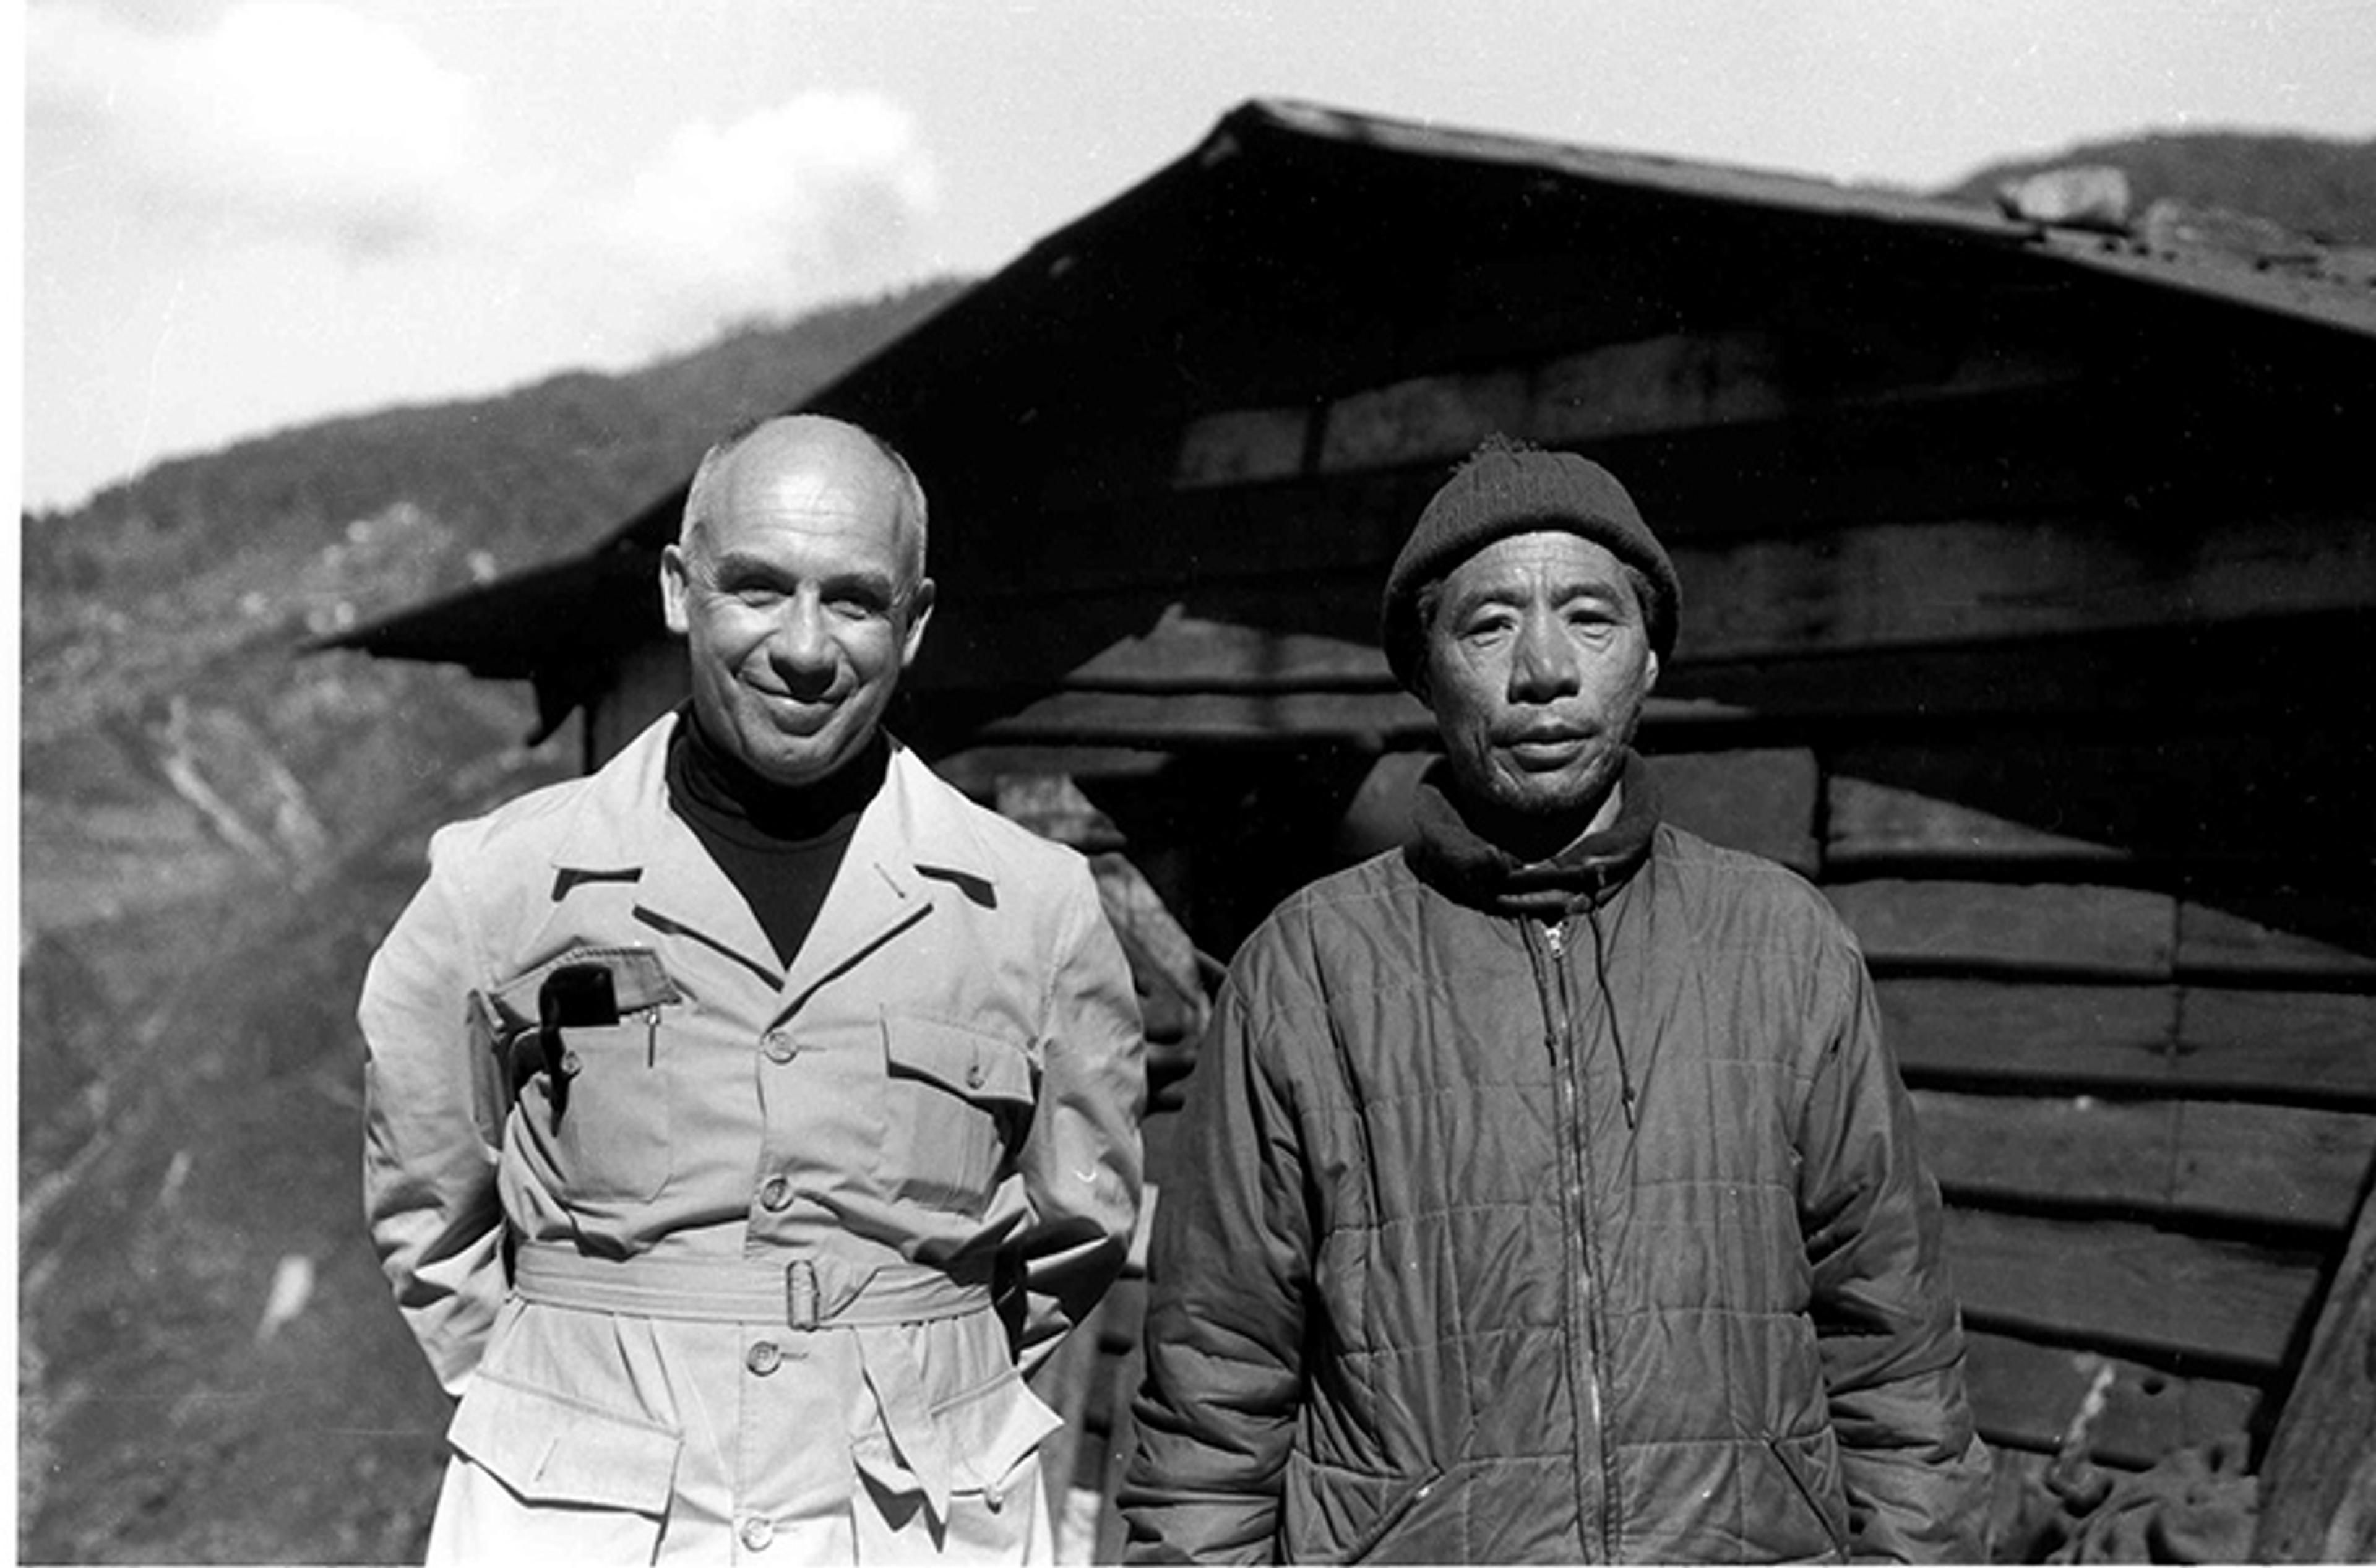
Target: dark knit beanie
point(1507, 488)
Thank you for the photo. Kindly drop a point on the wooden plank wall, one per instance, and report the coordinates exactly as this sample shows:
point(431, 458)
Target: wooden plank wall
point(2151, 1117)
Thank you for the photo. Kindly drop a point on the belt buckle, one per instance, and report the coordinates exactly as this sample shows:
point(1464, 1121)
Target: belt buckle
point(801, 1296)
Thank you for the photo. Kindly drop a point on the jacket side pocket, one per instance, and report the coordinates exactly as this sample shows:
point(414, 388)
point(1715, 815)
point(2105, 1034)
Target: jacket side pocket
point(554, 1451)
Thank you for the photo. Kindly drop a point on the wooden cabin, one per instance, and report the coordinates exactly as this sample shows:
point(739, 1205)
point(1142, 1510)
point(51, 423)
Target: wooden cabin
point(2029, 584)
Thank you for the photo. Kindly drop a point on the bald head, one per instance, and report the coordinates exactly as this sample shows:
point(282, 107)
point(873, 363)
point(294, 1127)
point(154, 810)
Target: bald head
point(813, 452)
point(797, 583)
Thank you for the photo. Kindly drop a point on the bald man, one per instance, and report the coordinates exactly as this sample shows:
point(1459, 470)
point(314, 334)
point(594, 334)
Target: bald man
point(746, 1118)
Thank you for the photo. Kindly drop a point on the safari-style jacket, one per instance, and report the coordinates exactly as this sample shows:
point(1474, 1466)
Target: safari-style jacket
point(755, 1263)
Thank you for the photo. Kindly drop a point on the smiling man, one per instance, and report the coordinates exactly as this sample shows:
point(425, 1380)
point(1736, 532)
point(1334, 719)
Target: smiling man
point(743, 1119)
point(1555, 1199)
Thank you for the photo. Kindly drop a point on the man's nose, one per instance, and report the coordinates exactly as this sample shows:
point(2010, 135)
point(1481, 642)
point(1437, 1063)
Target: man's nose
point(803, 640)
point(1543, 664)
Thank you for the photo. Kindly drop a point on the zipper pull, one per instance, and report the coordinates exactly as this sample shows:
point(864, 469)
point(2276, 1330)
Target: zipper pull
point(1555, 932)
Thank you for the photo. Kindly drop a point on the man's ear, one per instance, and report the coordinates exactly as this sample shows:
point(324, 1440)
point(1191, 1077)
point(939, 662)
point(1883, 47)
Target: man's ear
point(1650, 673)
point(919, 610)
point(674, 590)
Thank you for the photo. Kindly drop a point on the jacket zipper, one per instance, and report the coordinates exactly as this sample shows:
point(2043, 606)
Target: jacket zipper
point(1584, 1297)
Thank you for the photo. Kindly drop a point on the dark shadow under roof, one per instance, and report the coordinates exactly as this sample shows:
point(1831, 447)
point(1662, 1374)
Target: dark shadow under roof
point(1331, 228)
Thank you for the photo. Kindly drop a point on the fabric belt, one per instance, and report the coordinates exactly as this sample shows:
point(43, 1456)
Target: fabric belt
point(796, 1294)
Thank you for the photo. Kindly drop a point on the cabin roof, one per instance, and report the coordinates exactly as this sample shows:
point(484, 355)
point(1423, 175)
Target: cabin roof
point(1286, 259)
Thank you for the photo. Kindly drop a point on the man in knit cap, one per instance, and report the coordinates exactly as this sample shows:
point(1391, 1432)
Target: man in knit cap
point(1555, 1199)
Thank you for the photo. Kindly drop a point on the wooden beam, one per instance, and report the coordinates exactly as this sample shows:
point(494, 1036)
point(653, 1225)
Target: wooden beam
point(2319, 1482)
point(2314, 1048)
point(1241, 447)
point(2244, 674)
point(2264, 1164)
point(1120, 719)
point(1981, 581)
point(2313, 1045)
point(2281, 1164)
point(1762, 801)
point(1435, 418)
point(1677, 382)
point(1667, 385)
point(2070, 1150)
point(2216, 944)
point(1868, 822)
point(2128, 1289)
point(1981, 926)
point(1186, 653)
point(2024, 1395)
point(2011, 1032)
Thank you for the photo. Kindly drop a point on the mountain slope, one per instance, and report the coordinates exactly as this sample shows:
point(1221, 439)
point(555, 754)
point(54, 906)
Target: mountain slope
point(2322, 188)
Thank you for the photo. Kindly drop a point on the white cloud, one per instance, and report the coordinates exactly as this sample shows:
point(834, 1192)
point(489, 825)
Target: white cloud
point(826, 194)
point(294, 119)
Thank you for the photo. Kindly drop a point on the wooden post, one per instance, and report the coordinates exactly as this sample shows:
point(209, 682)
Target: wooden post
point(2318, 1487)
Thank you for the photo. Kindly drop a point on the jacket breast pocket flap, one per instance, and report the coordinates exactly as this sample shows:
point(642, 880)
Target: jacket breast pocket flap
point(966, 1061)
point(637, 981)
point(956, 1101)
point(553, 1449)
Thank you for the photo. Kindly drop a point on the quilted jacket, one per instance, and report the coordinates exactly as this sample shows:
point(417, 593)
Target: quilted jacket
point(1596, 1236)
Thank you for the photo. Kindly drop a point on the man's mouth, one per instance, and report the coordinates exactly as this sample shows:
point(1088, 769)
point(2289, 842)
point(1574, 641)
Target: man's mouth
point(805, 715)
point(1546, 748)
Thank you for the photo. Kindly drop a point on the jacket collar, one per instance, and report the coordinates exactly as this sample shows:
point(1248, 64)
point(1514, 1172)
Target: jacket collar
point(913, 845)
point(1451, 856)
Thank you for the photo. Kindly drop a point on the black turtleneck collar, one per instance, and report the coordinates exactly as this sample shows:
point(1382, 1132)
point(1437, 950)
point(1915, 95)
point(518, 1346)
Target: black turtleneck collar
point(717, 791)
point(1448, 853)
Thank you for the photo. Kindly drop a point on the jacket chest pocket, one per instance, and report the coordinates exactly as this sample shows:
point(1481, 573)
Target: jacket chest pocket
point(611, 1123)
point(956, 1099)
point(593, 1077)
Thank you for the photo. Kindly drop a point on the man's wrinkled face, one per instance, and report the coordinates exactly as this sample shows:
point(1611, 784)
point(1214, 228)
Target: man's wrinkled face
point(1538, 660)
point(801, 594)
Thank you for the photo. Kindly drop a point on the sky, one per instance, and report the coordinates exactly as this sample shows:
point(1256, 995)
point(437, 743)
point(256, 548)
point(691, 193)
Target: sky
point(240, 215)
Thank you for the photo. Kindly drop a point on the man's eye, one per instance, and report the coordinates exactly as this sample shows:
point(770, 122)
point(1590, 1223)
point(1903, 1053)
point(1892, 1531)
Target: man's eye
point(858, 607)
point(1485, 628)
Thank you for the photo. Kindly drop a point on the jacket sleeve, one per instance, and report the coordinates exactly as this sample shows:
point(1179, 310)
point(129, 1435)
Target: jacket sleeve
point(1231, 1272)
point(1081, 1165)
point(1892, 1343)
point(434, 1106)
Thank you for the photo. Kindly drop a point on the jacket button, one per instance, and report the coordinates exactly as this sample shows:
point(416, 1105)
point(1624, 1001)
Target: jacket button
point(779, 1047)
point(758, 1532)
point(974, 1075)
point(776, 1194)
point(765, 1357)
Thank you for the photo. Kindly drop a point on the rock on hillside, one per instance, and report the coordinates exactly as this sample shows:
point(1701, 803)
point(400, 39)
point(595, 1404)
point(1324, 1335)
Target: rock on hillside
point(2318, 187)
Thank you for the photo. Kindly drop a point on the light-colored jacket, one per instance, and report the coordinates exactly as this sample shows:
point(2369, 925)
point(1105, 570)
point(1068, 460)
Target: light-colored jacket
point(762, 1272)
